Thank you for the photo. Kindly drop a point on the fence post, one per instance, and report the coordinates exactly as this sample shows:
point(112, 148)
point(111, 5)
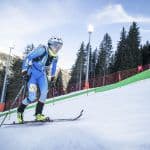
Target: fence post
point(119, 76)
point(103, 80)
point(140, 68)
point(2, 106)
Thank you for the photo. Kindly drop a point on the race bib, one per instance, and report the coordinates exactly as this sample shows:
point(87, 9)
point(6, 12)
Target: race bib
point(32, 88)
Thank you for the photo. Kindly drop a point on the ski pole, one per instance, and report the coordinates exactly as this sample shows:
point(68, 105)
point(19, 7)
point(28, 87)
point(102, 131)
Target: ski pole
point(23, 91)
point(52, 86)
point(19, 93)
point(54, 95)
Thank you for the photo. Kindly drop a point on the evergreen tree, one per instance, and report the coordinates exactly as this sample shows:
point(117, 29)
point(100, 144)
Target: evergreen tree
point(101, 62)
point(133, 51)
point(78, 69)
point(121, 57)
point(28, 49)
point(94, 57)
point(104, 56)
point(111, 67)
point(59, 83)
point(15, 80)
point(2, 74)
point(146, 53)
point(128, 54)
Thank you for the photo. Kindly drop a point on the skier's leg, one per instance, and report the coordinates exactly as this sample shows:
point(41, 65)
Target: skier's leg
point(43, 86)
point(32, 88)
point(32, 91)
point(20, 111)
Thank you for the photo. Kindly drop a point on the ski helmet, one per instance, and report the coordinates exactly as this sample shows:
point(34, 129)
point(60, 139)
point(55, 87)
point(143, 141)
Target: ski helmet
point(55, 44)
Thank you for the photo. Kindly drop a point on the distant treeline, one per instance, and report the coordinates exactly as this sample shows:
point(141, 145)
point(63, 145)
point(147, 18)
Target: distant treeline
point(128, 54)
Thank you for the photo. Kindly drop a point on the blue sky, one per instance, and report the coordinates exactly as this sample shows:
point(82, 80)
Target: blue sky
point(34, 21)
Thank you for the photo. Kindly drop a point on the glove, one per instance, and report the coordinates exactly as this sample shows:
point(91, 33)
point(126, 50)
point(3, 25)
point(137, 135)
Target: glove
point(25, 76)
point(53, 82)
point(53, 79)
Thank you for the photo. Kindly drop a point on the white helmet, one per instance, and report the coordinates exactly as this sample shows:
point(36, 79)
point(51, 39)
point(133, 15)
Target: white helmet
point(55, 44)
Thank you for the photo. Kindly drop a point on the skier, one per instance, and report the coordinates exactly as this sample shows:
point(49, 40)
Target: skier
point(34, 71)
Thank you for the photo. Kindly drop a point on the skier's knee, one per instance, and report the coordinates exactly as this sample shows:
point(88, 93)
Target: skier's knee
point(31, 98)
point(27, 101)
point(32, 93)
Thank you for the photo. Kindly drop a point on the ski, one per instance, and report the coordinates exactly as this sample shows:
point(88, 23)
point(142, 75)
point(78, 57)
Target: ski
point(47, 120)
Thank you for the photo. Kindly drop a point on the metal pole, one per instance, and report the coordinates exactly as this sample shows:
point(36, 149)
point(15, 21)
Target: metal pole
point(80, 72)
point(87, 69)
point(6, 76)
point(19, 93)
point(80, 76)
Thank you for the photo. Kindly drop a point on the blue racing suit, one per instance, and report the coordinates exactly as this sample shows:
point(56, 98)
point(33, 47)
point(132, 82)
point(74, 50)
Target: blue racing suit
point(36, 64)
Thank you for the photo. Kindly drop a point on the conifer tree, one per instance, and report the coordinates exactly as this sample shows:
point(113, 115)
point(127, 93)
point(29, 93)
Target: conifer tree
point(111, 68)
point(122, 53)
point(94, 58)
point(28, 49)
point(2, 74)
point(133, 43)
point(104, 56)
point(78, 69)
point(145, 50)
point(15, 80)
point(59, 83)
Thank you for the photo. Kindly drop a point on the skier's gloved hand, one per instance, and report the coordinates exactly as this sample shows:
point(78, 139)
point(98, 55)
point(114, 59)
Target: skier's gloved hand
point(53, 82)
point(25, 76)
point(53, 79)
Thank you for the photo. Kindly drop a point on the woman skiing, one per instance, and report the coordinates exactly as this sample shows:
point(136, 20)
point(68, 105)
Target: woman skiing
point(34, 71)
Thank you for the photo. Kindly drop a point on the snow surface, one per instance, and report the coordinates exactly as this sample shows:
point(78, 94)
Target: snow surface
point(113, 120)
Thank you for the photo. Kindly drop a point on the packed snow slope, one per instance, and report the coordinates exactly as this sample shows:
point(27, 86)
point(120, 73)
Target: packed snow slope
point(117, 119)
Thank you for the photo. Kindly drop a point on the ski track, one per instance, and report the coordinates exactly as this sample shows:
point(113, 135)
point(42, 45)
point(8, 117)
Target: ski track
point(118, 119)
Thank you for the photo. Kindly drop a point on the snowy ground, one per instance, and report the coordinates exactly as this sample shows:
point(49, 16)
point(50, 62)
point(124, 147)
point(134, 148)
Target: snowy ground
point(113, 120)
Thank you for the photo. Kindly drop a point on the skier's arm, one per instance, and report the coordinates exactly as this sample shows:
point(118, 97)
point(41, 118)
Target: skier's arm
point(34, 54)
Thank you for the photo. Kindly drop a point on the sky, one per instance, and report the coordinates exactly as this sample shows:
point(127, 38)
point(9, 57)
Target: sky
point(35, 21)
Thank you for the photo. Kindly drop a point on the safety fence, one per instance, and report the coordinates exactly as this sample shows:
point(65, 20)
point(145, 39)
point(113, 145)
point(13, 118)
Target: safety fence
point(97, 81)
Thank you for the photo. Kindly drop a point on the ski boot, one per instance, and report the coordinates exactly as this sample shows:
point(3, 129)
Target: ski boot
point(38, 112)
point(20, 117)
point(41, 117)
point(20, 111)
